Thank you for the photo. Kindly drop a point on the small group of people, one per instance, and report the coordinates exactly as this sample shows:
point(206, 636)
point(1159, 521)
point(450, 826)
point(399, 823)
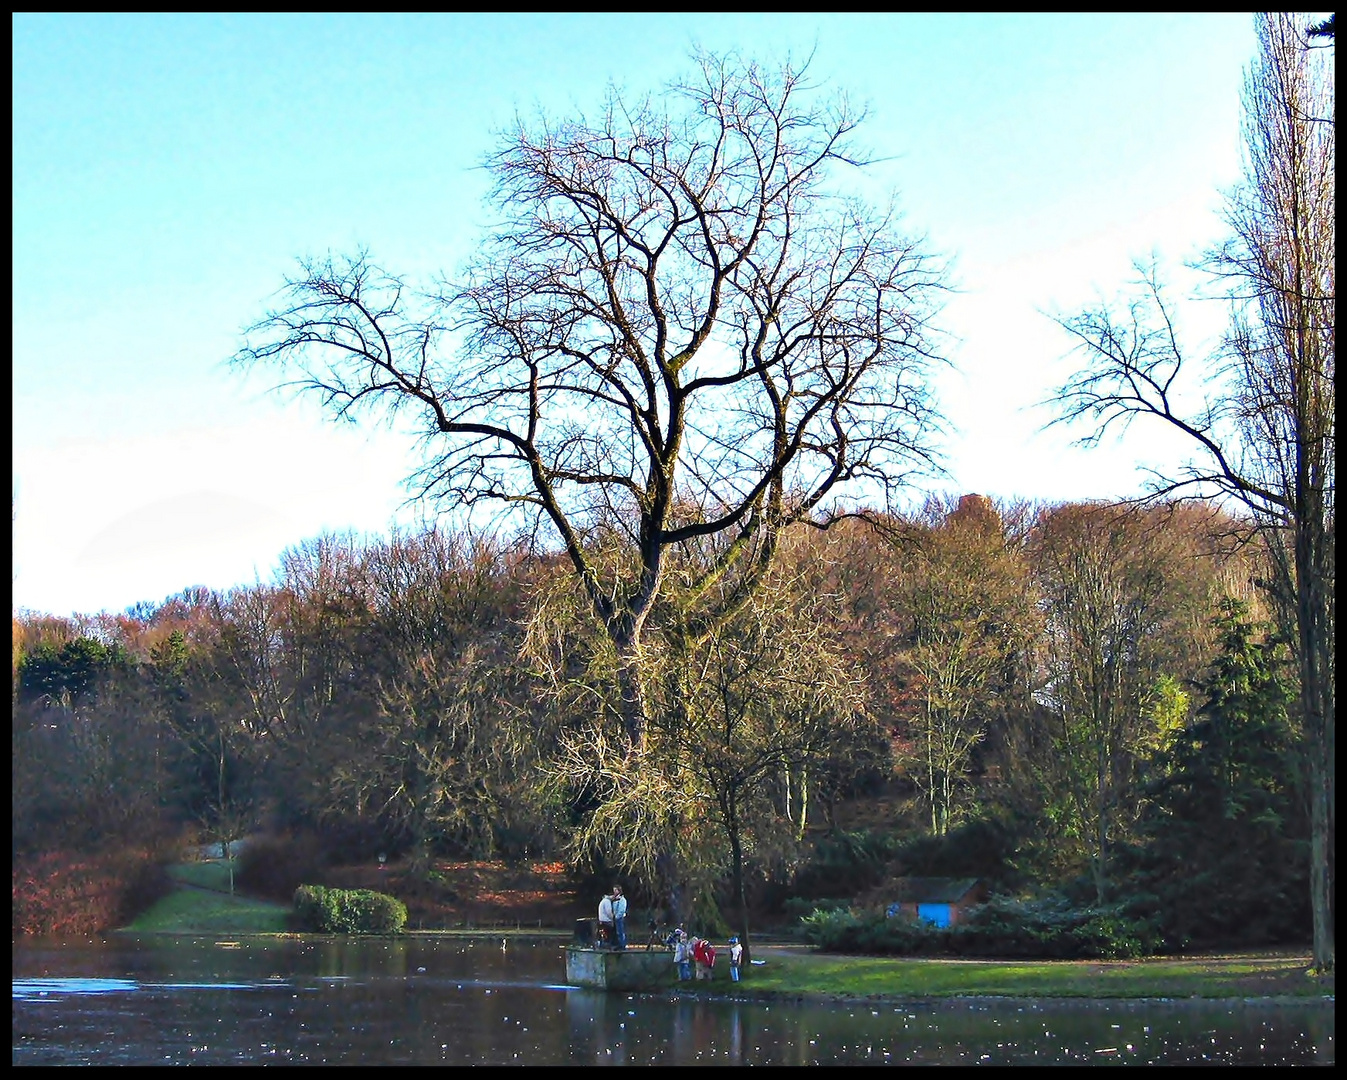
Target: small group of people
point(698, 952)
point(688, 953)
point(613, 919)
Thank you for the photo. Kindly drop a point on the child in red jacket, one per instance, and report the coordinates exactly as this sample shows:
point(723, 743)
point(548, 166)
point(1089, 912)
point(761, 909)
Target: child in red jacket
point(704, 953)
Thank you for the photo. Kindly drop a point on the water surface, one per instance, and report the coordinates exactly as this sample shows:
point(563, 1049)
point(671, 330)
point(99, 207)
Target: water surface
point(450, 1001)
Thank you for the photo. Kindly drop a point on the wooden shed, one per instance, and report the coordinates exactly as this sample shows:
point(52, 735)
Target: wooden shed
point(943, 901)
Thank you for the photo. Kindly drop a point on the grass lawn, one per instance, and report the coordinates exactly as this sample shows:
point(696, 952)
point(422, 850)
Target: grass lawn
point(196, 910)
point(1180, 977)
point(213, 874)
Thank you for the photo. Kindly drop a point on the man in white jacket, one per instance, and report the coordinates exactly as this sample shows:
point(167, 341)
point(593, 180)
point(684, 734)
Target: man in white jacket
point(606, 921)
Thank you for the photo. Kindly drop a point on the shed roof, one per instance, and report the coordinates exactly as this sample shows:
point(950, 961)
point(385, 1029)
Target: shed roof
point(930, 890)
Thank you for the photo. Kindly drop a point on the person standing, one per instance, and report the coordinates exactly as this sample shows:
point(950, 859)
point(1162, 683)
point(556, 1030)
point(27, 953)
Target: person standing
point(620, 916)
point(682, 955)
point(736, 955)
point(606, 920)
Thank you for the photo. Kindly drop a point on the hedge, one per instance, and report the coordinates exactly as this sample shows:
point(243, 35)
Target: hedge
point(348, 911)
point(68, 894)
point(1049, 928)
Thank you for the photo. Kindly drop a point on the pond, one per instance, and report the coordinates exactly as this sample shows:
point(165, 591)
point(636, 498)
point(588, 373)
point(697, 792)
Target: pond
point(438, 1000)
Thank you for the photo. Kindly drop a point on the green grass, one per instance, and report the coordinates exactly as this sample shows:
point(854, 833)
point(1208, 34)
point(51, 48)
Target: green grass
point(1211, 977)
point(213, 874)
point(193, 911)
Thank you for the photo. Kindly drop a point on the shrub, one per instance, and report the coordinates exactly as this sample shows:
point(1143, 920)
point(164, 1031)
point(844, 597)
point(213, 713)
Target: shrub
point(354, 841)
point(146, 884)
point(984, 848)
point(873, 932)
point(1111, 934)
point(62, 893)
point(1050, 928)
point(825, 927)
point(797, 908)
point(348, 911)
point(1042, 929)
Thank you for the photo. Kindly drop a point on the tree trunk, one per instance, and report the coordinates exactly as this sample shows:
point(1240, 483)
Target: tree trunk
point(930, 783)
point(804, 807)
point(1101, 843)
point(737, 872)
point(1317, 706)
point(631, 695)
point(1321, 875)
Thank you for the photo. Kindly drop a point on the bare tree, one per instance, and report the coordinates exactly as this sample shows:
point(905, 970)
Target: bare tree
point(767, 693)
point(965, 594)
point(1120, 599)
point(1267, 439)
point(681, 329)
point(444, 743)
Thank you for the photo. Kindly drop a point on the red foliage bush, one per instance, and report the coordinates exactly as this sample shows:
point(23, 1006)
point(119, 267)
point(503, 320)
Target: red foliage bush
point(66, 894)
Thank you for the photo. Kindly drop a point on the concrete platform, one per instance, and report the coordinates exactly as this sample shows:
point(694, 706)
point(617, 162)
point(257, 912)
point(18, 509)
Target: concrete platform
point(619, 969)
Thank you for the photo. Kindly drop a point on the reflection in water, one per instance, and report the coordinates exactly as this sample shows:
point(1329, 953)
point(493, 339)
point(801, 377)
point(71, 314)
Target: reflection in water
point(446, 1001)
point(29, 989)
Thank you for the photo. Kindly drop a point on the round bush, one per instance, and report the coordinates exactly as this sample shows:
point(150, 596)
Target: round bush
point(348, 911)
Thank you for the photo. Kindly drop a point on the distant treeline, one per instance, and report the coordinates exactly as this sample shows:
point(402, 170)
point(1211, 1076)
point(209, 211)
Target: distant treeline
point(1091, 686)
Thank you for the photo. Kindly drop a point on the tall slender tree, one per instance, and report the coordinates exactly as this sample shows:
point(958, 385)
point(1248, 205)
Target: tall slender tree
point(1268, 440)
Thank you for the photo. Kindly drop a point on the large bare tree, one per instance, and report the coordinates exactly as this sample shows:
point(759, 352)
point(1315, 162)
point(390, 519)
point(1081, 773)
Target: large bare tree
point(1267, 439)
point(765, 695)
point(681, 329)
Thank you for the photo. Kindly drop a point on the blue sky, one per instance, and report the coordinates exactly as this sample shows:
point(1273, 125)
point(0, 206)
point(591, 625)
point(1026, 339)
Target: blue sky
point(169, 170)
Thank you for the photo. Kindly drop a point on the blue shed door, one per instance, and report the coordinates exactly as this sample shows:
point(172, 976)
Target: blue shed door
point(935, 913)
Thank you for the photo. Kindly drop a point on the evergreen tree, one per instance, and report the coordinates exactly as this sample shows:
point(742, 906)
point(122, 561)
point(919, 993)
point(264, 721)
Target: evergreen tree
point(69, 670)
point(1225, 856)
